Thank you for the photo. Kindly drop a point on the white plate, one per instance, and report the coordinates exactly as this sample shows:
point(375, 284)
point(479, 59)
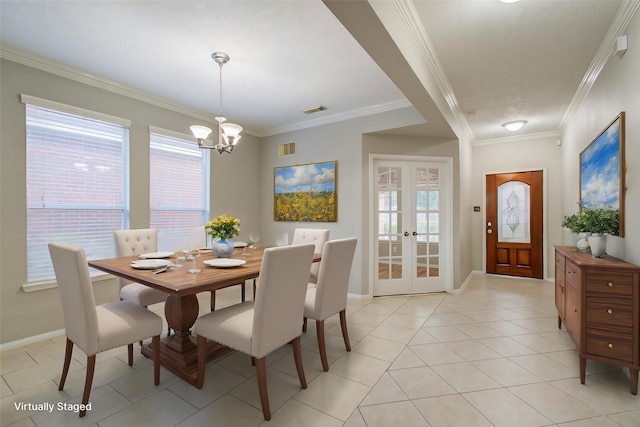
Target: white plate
point(240, 244)
point(225, 262)
point(154, 255)
point(150, 264)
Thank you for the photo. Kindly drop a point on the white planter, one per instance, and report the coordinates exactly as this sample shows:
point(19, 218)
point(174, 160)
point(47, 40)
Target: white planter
point(598, 244)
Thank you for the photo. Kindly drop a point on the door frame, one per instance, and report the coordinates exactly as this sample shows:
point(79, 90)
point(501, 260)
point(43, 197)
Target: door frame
point(448, 232)
point(545, 210)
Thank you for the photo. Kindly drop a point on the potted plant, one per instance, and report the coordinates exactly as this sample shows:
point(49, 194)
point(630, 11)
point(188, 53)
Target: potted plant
point(598, 222)
point(221, 229)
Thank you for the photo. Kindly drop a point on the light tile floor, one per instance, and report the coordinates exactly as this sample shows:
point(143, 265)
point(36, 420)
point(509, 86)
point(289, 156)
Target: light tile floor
point(489, 356)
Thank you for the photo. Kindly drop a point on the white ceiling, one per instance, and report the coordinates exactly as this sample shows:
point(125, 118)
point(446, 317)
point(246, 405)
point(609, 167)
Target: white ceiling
point(523, 60)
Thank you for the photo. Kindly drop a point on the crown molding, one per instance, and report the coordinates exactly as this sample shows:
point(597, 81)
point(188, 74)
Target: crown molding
point(114, 87)
point(605, 52)
point(70, 73)
point(409, 16)
point(518, 138)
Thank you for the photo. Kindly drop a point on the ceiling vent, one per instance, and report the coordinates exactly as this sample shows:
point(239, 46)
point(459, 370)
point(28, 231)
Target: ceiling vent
point(314, 109)
point(286, 149)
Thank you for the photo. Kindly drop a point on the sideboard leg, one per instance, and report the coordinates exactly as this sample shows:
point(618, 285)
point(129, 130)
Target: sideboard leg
point(634, 381)
point(583, 369)
point(559, 322)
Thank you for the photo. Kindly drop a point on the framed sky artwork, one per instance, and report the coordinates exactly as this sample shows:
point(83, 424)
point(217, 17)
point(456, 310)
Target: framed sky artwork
point(602, 170)
point(306, 193)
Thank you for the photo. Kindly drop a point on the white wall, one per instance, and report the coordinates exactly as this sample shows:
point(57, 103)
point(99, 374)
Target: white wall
point(616, 89)
point(527, 154)
point(341, 141)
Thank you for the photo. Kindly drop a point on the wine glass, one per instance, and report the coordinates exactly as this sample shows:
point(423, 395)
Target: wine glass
point(177, 249)
point(253, 238)
point(194, 253)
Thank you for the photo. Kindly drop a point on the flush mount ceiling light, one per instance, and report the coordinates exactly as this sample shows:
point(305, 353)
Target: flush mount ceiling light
point(509, 1)
point(228, 133)
point(514, 125)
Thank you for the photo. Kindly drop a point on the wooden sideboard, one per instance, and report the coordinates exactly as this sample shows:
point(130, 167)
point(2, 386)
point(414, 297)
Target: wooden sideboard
point(598, 300)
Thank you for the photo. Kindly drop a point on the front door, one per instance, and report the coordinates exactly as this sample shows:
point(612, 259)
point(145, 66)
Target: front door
point(514, 224)
point(411, 216)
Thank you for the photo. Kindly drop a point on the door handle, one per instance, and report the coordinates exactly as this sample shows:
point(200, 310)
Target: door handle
point(489, 231)
point(406, 234)
point(414, 233)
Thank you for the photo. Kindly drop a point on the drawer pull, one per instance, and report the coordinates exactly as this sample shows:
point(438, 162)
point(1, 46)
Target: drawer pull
point(610, 345)
point(610, 285)
point(610, 311)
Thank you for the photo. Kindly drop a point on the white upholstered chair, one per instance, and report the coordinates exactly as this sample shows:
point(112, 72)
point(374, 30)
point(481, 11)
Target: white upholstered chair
point(96, 329)
point(273, 320)
point(329, 295)
point(137, 242)
point(317, 236)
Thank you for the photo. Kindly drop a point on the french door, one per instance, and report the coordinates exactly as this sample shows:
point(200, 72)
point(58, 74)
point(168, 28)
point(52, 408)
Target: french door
point(411, 222)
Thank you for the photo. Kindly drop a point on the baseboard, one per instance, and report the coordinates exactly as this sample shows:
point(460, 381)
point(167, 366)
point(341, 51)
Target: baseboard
point(358, 296)
point(31, 340)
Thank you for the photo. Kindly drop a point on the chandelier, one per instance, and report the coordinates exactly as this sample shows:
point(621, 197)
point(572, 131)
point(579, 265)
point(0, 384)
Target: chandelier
point(228, 133)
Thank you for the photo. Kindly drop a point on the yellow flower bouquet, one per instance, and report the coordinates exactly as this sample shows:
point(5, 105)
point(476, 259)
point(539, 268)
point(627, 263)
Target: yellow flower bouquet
point(223, 227)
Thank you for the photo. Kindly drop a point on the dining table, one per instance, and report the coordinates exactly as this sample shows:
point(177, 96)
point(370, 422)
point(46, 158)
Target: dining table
point(178, 352)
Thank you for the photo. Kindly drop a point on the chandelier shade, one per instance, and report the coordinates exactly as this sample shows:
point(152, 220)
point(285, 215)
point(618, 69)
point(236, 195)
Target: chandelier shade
point(228, 133)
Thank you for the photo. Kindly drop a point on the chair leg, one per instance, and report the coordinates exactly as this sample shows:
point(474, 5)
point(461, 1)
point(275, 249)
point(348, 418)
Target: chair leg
point(243, 293)
point(254, 289)
point(202, 360)
point(130, 354)
point(297, 356)
point(67, 362)
point(321, 344)
point(304, 325)
point(261, 370)
point(91, 367)
point(345, 333)
point(213, 300)
point(253, 361)
point(155, 345)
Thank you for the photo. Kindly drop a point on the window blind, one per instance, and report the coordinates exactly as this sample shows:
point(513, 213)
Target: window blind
point(76, 185)
point(178, 191)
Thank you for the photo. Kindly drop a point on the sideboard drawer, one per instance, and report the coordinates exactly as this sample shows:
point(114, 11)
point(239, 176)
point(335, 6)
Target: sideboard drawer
point(610, 345)
point(572, 273)
point(601, 312)
point(560, 261)
point(609, 283)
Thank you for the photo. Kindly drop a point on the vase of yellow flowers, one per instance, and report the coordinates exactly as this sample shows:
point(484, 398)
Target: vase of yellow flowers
point(221, 229)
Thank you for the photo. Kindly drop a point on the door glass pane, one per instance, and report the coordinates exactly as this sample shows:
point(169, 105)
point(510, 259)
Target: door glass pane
point(389, 186)
point(427, 217)
point(513, 212)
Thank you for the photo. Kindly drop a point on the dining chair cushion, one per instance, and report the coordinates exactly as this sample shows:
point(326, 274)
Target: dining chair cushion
point(316, 236)
point(141, 294)
point(232, 324)
point(123, 322)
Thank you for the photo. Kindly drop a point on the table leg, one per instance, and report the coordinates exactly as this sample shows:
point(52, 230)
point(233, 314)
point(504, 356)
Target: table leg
point(178, 352)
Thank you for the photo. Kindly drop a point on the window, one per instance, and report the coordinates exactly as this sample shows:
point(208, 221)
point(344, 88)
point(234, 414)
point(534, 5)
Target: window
point(179, 190)
point(76, 184)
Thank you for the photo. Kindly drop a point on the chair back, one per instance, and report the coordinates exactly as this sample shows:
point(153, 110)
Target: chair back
point(134, 242)
point(280, 294)
point(317, 236)
point(333, 277)
point(78, 302)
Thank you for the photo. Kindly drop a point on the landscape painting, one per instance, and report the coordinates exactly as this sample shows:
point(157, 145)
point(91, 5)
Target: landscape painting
point(601, 170)
point(306, 193)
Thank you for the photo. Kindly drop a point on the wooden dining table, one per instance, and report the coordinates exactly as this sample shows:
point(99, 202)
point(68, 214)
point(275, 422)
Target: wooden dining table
point(178, 352)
